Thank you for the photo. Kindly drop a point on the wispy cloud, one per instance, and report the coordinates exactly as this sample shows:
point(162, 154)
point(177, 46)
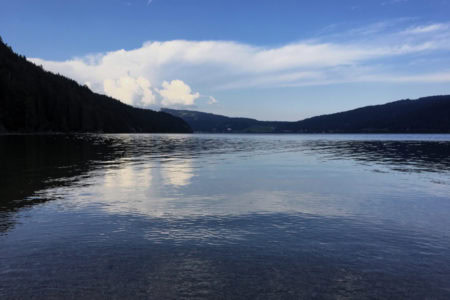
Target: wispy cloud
point(427, 28)
point(172, 73)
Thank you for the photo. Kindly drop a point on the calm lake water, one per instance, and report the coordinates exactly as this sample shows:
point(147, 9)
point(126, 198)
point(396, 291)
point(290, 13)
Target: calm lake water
point(225, 216)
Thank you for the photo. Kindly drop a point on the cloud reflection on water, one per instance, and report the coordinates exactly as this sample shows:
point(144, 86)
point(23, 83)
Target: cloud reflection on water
point(182, 176)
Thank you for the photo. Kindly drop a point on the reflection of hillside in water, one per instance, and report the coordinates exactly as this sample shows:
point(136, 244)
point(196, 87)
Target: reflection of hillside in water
point(31, 164)
point(405, 156)
point(34, 163)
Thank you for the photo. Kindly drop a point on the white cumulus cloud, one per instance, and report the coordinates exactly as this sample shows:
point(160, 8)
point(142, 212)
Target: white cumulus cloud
point(177, 92)
point(133, 91)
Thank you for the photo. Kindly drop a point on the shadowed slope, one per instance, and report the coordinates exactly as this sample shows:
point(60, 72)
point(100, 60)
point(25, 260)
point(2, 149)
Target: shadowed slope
point(33, 100)
point(424, 115)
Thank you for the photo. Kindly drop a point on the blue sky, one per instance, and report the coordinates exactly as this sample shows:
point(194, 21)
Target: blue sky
point(272, 60)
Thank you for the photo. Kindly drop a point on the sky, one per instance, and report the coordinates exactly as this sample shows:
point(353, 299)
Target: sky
point(270, 60)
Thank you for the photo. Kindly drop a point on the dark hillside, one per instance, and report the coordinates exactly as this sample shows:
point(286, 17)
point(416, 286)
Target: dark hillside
point(34, 100)
point(207, 122)
point(424, 115)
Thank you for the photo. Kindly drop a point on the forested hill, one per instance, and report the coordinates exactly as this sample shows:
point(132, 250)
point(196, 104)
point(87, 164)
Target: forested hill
point(34, 100)
point(207, 122)
point(424, 115)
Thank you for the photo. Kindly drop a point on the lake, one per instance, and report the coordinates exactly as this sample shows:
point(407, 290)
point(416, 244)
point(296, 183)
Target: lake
point(225, 216)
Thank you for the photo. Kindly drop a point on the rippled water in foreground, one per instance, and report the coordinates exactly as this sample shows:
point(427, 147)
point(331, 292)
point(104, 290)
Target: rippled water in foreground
point(225, 216)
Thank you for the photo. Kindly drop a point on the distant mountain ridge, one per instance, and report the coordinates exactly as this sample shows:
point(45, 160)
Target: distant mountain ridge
point(424, 115)
point(207, 122)
point(34, 100)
